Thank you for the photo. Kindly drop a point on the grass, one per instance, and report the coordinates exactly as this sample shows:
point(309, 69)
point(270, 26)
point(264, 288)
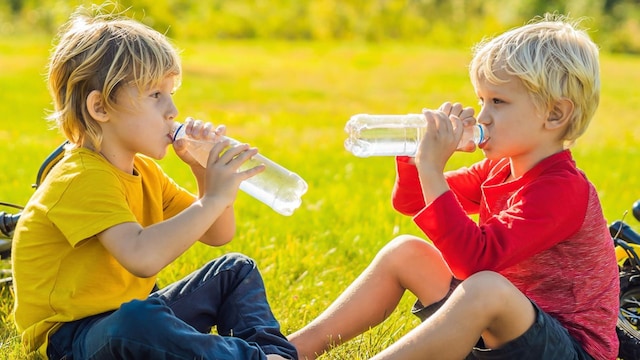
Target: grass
point(292, 100)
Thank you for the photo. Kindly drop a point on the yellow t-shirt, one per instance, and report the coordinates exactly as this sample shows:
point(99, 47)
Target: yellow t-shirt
point(61, 271)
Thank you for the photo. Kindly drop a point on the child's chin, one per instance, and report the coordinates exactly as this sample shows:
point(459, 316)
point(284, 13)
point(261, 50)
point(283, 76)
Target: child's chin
point(491, 155)
point(159, 155)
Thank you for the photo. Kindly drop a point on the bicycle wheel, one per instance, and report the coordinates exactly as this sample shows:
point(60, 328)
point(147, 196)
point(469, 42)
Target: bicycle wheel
point(628, 323)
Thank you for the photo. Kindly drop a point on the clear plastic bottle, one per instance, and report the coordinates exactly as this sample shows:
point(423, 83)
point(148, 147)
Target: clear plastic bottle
point(276, 186)
point(396, 135)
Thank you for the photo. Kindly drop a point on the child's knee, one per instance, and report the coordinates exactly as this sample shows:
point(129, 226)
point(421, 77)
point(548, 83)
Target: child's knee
point(139, 317)
point(236, 262)
point(490, 287)
point(406, 249)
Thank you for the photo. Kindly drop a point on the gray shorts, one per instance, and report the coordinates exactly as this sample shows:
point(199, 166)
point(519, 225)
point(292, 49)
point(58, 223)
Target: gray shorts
point(545, 339)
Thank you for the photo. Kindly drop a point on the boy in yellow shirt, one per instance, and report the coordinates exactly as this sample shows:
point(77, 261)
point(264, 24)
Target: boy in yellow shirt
point(107, 219)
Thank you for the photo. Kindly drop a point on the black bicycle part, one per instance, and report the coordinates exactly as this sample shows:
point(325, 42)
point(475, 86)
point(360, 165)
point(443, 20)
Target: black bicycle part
point(629, 318)
point(620, 230)
point(50, 162)
point(8, 223)
point(628, 323)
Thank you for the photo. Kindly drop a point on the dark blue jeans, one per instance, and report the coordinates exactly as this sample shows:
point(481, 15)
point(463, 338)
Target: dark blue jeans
point(175, 322)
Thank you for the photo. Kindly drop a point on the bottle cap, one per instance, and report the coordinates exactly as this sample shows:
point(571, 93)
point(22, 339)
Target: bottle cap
point(175, 130)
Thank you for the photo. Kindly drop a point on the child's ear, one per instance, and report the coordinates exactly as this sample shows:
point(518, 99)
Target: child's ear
point(560, 114)
point(95, 106)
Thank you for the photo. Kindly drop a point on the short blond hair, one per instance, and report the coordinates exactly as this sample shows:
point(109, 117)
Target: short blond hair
point(553, 58)
point(103, 51)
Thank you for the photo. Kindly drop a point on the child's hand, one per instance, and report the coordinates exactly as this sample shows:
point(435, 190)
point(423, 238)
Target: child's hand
point(222, 178)
point(440, 140)
point(466, 116)
point(197, 130)
point(442, 135)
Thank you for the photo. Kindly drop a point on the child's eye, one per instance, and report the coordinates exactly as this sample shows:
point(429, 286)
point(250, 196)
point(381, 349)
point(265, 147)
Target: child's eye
point(496, 101)
point(156, 94)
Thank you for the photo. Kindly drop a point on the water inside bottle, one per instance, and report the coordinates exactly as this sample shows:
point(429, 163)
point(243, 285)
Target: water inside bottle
point(397, 135)
point(277, 187)
point(278, 204)
point(388, 141)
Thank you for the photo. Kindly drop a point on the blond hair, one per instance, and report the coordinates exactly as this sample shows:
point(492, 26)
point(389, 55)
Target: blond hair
point(98, 51)
point(553, 59)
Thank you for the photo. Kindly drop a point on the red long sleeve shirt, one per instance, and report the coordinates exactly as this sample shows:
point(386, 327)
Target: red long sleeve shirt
point(545, 232)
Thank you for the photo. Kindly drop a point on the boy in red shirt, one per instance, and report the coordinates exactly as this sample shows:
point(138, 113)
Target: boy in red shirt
point(536, 277)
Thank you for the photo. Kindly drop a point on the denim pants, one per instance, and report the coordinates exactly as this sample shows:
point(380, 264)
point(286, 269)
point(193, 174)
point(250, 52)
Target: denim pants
point(175, 322)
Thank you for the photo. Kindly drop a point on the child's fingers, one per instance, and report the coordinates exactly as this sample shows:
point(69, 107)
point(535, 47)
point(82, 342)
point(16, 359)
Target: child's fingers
point(245, 174)
point(221, 130)
point(240, 154)
point(234, 156)
point(466, 115)
point(199, 129)
point(446, 107)
point(216, 150)
point(456, 109)
point(207, 131)
point(457, 124)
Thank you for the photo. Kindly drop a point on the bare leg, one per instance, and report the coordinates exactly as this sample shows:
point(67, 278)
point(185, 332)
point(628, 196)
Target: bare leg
point(405, 263)
point(486, 304)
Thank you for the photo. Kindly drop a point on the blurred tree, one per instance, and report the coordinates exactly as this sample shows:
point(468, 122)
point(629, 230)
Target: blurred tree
point(441, 22)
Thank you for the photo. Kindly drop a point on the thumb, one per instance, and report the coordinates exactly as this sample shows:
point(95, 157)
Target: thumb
point(179, 146)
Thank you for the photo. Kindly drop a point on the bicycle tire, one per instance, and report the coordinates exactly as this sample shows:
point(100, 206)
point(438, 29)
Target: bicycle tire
point(627, 325)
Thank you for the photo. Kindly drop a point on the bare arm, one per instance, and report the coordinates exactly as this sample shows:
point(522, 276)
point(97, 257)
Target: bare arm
point(146, 251)
point(224, 227)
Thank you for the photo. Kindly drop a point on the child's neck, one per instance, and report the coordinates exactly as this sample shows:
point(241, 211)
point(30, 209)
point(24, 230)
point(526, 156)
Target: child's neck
point(121, 162)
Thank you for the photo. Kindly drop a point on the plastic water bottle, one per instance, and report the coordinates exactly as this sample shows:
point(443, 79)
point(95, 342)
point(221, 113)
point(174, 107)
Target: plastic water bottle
point(396, 135)
point(276, 186)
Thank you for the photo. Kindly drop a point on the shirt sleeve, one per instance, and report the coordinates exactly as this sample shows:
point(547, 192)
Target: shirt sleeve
point(95, 199)
point(466, 183)
point(537, 216)
point(174, 197)
point(407, 197)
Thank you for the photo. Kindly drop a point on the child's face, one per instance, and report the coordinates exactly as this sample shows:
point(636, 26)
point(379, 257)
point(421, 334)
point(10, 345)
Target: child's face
point(142, 120)
point(514, 125)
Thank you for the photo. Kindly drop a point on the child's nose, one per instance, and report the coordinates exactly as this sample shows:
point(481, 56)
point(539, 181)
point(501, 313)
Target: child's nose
point(483, 117)
point(173, 111)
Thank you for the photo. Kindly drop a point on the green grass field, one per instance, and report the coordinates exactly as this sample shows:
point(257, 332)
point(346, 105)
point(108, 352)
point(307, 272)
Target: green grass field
point(291, 100)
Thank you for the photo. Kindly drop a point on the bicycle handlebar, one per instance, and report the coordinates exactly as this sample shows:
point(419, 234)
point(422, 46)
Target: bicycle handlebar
point(620, 230)
point(8, 223)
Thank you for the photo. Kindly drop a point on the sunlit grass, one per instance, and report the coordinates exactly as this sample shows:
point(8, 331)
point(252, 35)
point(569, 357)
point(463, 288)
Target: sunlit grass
point(291, 100)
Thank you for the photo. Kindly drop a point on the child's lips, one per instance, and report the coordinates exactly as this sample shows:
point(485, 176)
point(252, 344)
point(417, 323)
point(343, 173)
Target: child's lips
point(484, 142)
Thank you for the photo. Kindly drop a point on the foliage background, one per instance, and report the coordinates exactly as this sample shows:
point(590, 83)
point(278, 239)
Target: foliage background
point(439, 22)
